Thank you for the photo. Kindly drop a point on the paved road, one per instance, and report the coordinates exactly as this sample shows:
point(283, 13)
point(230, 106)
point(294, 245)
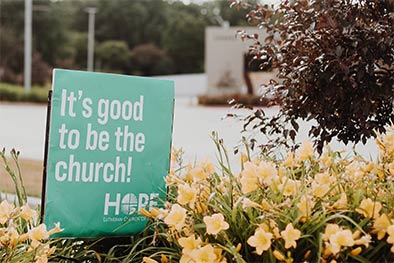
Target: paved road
point(22, 126)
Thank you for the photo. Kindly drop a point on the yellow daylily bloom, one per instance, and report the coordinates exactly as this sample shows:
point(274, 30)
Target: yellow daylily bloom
point(356, 251)
point(27, 213)
point(369, 208)
point(290, 187)
point(331, 229)
point(6, 209)
point(305, 206)
point(198, 173)
point(39, 233)
point(278, 255)
point(186, 195)
point(305, 152)
point(176, 218)
point(261, 240)
point(290, 161)
point(215, 223)
point(190, 242)
point(319, 189)
point(290, 235)
point(363, 241)
point(56, 229)
point(205, 254)
point(380, 226)
point(326, 160)
point(248, 184)
point(341, 203)
point(340, 239)
point(267, 172)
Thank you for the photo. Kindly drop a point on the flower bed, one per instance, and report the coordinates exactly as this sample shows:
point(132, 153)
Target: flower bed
point(301, 208)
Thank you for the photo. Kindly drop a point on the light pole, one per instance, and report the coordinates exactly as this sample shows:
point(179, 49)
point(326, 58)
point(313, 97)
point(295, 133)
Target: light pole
point(28, 36)
point(91, 11)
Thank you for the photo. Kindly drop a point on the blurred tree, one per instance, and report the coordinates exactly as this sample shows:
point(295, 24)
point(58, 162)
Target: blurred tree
point(113, 56)
point(50, 30)
point(184, 41)
point(60, 33)
point(148, 59)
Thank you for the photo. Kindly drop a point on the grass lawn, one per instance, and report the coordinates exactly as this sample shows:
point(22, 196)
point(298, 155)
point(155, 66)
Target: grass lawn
point(31, 173)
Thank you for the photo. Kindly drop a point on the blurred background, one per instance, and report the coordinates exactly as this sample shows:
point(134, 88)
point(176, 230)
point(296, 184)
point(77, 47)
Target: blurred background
point(139, 37)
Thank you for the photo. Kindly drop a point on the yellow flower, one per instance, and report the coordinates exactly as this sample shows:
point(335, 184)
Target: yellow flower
point(343, 238)
point(380, 226)
point(356, 251)
point(369, 208)
point(261, 240)
point(305, 206)
point(326, 160)
point(250, 170)
point(386, 143)
point(148, 260)
point(159, 213)
point(9, 237)
point(248, 184)
point(176, 217)
point(265, 205)
point(200, 208)
point(249, 179)
point(186, 195)
point(198, 173)
point(145, 213)
point(190, 242)
point(27, 213)
point(390, 238)
point(164, 259)
point(363, 241)
point(39, 233)
point(56, 229)
point(331, 229)
point(278, 255)
point(290, 161)
point(208, 166)
point(6, 209)
point(205, 254)
point(289, 187)
point(267, 172)
point(324, 178)
point(319, 189)
point(215, 224)
point(354, 171)
point(341, 203)
point(290, 235)
point(368, 167)
point(305, 151)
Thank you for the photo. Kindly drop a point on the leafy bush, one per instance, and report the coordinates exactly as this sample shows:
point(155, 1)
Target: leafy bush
point(300, 208)
point(14, 93)
point(335, 60)
point(149, 59)
point(113, 56)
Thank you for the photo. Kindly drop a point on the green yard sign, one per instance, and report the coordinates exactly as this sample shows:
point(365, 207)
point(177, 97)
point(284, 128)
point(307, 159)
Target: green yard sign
point(108, 151)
